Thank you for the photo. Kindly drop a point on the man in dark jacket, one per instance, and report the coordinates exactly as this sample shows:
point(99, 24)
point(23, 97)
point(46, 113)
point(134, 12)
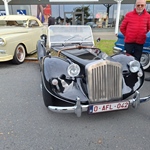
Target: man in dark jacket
point(134, 27)
point(51, 20)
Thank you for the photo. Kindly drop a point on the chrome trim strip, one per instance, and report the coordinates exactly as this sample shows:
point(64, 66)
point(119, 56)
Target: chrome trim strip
point(2, 51)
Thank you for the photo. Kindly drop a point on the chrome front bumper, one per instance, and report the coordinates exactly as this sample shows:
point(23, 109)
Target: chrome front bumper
point(117, 49)
point(78, 108)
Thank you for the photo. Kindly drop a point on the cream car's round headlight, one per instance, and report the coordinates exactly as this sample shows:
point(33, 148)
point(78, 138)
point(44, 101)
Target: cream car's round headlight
point(134, 66)
point(73, 70)
point(2, 42)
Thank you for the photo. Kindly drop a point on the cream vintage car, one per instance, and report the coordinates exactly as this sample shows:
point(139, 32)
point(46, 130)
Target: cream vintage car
point(18, 36)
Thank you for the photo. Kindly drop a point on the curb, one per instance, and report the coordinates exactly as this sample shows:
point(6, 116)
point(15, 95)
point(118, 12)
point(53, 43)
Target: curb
point(31, 58)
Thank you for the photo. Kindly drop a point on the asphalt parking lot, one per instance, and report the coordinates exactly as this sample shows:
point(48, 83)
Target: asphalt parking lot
point(26, 124)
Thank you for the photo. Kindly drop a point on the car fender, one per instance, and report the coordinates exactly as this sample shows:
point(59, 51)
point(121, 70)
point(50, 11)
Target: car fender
point(13, 40)
point(54, 67)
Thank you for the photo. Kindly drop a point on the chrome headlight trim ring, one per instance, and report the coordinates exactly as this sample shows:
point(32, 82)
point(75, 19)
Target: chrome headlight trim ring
point(73, 70)
point(134, 66)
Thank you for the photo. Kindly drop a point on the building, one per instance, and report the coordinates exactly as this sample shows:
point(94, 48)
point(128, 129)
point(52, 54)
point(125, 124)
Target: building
point(72, 12)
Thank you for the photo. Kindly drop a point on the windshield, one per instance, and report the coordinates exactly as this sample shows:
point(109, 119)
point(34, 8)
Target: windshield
point(61, 34)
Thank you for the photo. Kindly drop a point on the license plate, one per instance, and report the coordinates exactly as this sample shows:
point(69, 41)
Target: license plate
point(96, 108)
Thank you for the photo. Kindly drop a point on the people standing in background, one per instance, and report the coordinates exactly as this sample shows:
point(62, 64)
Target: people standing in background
point(51, 20)
point(40, 14)
point(47, 12)
point(134, 27)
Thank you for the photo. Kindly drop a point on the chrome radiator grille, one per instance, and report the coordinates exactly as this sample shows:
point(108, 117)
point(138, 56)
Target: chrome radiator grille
point(104, 80)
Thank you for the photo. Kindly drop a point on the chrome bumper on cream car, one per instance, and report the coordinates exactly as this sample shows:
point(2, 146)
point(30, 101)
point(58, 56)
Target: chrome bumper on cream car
point(78, 108)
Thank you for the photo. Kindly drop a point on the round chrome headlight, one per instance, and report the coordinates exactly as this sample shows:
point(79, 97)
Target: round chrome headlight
point(73, 70)
point(2, 42)
point(134, 66)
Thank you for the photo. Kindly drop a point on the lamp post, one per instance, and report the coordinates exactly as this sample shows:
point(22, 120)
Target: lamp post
point(6, 6)
point(118, 15)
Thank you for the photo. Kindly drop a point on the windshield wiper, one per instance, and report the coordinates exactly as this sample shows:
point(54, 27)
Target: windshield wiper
point(70, 38)
point(78, 36)
point(86, 38)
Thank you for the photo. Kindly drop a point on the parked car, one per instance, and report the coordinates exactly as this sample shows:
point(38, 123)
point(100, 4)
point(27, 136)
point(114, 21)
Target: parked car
point(145, 59)
point(91, 24)
point(18, 36)
point(81, 78)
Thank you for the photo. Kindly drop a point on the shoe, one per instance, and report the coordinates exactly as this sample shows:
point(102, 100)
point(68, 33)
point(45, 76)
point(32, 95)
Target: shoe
point(147, 79)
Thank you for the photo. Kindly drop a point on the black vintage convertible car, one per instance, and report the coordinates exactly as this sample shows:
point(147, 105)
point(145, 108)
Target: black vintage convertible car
point(77, 77)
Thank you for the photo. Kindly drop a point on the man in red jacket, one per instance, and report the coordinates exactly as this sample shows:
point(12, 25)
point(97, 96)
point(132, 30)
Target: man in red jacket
point(134, 27)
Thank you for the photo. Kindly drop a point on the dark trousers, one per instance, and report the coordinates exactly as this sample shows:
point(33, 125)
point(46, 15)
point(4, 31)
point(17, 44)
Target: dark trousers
point(134, 49)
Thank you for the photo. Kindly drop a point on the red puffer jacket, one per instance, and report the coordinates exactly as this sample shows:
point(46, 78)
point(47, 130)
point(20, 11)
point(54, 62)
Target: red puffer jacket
point(135, 27)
